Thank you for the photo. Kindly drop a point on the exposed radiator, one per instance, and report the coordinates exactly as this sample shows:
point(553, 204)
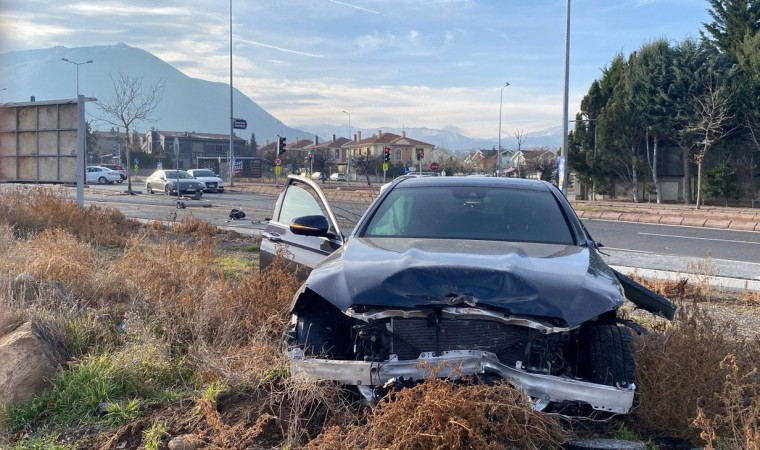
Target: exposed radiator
point(413, 336)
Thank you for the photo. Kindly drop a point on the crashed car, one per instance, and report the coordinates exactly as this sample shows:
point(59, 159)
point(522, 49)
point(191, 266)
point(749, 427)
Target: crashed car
point(494, 278)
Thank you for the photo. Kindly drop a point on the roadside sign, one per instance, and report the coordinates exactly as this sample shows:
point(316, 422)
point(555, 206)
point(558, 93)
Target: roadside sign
point(406, 170)
point(176, 147)
point(385, 166)
point(277, 170)
point(277, 161)
point(239, 124)
point(434, 166)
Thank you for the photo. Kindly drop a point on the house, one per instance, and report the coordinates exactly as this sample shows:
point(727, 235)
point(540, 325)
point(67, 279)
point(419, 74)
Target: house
point(404, 150)
point(334, 151)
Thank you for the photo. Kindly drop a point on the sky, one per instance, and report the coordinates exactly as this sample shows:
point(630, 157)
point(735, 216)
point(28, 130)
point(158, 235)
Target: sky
point(401, 63)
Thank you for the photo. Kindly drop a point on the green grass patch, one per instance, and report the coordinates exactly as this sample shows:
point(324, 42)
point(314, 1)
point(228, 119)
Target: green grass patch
point(233, 266)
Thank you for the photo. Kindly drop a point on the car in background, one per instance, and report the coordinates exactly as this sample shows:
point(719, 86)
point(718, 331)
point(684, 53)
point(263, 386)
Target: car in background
point(212, 182)
point(174, 182)
point(101, 175)
point(338, 176)
point(117, 168)
point(492, 278)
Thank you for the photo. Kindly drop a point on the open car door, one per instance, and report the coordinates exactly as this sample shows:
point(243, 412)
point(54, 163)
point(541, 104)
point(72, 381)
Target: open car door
point(300, 197)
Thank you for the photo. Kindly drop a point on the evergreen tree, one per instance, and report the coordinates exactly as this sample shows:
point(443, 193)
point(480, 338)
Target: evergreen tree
point(731, 21)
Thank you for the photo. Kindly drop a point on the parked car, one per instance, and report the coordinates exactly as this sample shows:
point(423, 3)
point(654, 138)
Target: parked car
point(490, 277)
point(166, 181)
point(338, 176)
point(212, 182)
point(101, 175)
point(117, 168)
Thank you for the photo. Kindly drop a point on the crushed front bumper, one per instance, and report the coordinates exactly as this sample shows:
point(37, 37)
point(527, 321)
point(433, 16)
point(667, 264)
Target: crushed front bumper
point(543, 389)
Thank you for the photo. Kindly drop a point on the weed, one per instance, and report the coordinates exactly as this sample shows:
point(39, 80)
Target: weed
point(152, 437)
point(118, 413)
point(440, 414)
point(233, 266)
point(40, 443)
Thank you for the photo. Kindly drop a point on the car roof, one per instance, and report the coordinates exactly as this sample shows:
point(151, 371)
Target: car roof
point(520, 183)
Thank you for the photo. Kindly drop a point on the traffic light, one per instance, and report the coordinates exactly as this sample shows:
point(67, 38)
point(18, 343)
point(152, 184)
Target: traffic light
point(387, 154)
point(420, 154)
point(280, 145)
point(310, 156)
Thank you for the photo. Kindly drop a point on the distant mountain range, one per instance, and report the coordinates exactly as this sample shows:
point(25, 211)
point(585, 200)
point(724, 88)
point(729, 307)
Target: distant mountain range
point(189, 104)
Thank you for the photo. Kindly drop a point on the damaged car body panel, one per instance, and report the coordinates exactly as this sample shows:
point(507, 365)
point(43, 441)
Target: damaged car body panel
point(484, 277)
point(645, 298)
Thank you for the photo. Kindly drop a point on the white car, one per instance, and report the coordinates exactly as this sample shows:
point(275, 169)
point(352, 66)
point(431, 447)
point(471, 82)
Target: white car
point(101, 175)
point(212, 182)
point(337, 176)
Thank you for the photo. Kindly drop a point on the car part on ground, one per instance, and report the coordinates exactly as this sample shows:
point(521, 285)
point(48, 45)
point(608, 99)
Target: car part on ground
point(482, 277)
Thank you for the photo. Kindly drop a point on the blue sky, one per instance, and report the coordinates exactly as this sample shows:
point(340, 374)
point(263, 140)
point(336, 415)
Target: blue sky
point(414, 63)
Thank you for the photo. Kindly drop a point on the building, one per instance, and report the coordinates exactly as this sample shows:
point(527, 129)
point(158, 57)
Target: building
point(404, 150)
point(194, 148)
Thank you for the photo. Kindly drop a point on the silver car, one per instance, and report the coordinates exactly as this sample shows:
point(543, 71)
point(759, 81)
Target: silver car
point(167, 181)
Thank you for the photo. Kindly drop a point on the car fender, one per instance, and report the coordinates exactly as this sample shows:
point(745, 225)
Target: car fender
point(645, 298)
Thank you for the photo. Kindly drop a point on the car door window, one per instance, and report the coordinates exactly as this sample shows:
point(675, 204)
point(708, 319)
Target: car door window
point(300, 200)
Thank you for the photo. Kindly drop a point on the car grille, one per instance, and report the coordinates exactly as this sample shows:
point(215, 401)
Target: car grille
point(211, 185)
point(413, 336)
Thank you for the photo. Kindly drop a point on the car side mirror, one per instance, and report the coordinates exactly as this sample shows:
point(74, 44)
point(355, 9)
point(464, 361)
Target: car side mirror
point(310, 226)
point(162, 178)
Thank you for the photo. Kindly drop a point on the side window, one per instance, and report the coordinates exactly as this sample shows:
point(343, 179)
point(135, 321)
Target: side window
point(300, 200)
point(391, 218)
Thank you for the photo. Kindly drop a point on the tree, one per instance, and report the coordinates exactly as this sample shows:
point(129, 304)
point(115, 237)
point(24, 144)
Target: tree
point(253, 147)
point(520, 136)
point(132, 103)
point(721, 181)
point(322, 159)
point(366, 164)
point(713, 122)
point(544, 164)
point(731, 21)
point(91, 143)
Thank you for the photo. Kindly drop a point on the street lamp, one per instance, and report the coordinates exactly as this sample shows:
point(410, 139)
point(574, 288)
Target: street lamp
point(593, 181)
point(498, 162)
point(231, 162)
point(348, 153)
point(77, 64)
point(562, 174)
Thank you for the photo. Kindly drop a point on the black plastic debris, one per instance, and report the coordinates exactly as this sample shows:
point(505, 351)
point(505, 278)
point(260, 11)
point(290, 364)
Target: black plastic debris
point(237, 214)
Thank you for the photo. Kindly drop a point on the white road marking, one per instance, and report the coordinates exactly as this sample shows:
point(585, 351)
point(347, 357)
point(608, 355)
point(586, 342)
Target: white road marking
point(699, 238)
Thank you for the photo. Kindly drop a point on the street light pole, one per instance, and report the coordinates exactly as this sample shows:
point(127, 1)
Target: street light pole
point(348, 152)
point(77, 64)
point(498, 161)
point(230, 162)
point(563, 173)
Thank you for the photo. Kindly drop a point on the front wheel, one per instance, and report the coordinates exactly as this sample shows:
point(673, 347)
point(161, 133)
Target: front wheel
point(608, 355)
point(102, 180)
point(149, 189)
point(168, 191)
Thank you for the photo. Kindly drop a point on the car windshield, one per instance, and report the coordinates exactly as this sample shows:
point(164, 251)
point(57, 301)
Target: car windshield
point(203, 173)
point(173, 174)
point(467, 212)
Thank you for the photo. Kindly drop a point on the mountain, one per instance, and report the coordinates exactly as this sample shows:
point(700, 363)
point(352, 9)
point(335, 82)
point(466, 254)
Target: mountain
point(448, 138)
point(189, 104)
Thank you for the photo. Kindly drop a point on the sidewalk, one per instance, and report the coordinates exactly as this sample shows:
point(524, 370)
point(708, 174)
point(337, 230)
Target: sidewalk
point(741, 219)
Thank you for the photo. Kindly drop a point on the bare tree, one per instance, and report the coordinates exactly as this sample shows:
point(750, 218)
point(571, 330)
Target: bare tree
point(132, 103)
point(520, 136)
point(544, 164)
point(711, 124)
point(366, 164)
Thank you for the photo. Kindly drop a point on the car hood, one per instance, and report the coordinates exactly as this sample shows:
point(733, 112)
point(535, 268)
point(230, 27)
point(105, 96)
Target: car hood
point(567, 285)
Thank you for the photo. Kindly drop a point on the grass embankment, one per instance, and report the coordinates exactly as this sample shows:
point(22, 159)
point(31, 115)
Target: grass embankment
point(174, 331)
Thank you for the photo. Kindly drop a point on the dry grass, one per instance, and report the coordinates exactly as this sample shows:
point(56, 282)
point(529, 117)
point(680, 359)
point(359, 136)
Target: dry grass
point(31, 210)
point(440, 415)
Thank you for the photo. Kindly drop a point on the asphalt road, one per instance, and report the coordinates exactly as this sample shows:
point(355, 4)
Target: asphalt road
point(725, 253)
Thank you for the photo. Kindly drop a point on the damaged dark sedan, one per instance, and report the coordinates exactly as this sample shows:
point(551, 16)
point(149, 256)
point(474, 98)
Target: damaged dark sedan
point(492, 278)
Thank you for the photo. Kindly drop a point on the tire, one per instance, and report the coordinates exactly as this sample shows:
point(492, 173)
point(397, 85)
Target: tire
point(149, 189)
point(168, 191)
point(607, 355)
point(102, 180)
